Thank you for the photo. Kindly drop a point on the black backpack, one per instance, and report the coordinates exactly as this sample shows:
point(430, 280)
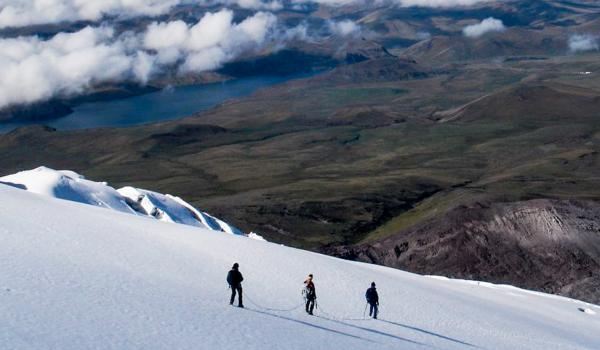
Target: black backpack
point(308, 293)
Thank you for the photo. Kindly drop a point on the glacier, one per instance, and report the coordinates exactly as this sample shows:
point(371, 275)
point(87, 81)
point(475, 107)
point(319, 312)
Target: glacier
point(78, 276)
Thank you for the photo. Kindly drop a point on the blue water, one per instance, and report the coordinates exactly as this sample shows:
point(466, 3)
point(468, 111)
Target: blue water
point(166, 104)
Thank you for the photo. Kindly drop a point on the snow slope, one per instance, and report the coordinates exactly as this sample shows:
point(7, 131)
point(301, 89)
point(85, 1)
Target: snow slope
point(68, 185)
point(75, 276)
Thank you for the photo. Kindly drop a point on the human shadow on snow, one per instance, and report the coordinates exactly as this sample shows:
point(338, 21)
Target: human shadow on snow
point(428, 332)
point(374, 331)
point(310, 325)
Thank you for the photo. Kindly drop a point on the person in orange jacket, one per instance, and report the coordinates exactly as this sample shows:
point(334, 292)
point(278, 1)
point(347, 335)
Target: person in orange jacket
point(310, 294)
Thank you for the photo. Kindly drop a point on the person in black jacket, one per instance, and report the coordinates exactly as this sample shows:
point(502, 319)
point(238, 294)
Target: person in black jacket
point(235, 278)
point(373, 300)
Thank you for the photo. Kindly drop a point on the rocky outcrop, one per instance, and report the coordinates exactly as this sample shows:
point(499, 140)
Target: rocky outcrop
point(546, 245)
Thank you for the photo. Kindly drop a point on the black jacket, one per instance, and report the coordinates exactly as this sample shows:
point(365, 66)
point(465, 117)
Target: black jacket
point(371, 295)
point(234, 278)
point(309, 291)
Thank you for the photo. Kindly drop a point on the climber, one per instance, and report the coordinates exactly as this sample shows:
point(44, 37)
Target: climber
point(372, 300)
point(310, 294)
point(235, 278)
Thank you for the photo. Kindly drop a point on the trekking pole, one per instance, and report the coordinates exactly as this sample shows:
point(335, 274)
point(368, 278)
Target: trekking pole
point(365, 312)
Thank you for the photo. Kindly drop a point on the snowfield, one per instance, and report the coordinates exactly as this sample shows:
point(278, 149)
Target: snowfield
point(75, 276)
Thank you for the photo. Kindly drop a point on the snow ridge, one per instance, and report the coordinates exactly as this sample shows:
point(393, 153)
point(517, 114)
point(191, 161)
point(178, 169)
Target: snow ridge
point(69, 185)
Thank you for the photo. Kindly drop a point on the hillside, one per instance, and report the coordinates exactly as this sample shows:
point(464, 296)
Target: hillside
point(547, 245)
point(78, 276)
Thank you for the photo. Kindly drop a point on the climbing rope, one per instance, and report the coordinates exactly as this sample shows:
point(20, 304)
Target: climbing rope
point(250, 299)
point(294, 308)
point(333, 317)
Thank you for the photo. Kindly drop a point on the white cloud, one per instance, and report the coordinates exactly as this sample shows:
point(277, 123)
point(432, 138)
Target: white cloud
point(32, 69)
point(402, 3)
point(344, 28)
point(327, 2)
point(165, 35)
point(18, 13)
point(214, 40)
point(583, 42)
point(440, 3)
point(255, 4)
point(423, 35)
point(486, 26)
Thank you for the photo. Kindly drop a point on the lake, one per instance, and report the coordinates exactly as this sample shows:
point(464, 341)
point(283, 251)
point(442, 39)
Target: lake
point(167, 104)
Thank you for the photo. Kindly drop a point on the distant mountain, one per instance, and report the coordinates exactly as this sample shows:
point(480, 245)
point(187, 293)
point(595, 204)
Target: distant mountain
point(384, 69)
point(513, 42)
point(543, 102)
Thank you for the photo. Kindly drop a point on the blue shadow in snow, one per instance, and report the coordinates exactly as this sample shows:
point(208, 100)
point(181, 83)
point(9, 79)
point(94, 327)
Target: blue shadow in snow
point(374, 331)
point(19, 186)
point(428, 332)
point(310, 325)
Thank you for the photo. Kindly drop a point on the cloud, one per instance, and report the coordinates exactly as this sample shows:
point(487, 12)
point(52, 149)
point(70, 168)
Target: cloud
point(402, 3)
point(33, 69)
point(486, 26)
point(328, 2)
point(255, 4)
point(583, 42)
point(19, 13)
point(344, 28)
point(439, 3)
point(423, 35)
point(206, 45)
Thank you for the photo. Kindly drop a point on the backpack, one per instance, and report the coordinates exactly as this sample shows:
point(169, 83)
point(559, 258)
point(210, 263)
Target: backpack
point(371, 295)
point(308, 293)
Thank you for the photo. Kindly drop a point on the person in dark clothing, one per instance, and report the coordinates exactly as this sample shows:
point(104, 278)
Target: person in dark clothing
point(373, 300)
point(235, 278)
point(310, 294)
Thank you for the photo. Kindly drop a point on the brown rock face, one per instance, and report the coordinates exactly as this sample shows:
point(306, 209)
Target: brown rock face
point(546, 245)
